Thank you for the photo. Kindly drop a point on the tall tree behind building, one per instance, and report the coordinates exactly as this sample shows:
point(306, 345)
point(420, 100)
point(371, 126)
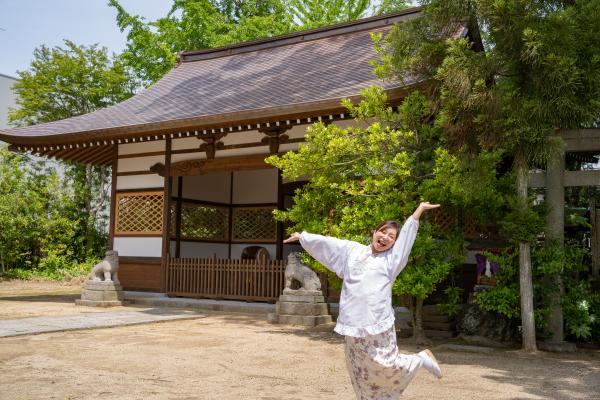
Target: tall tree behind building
point(538, 71)
point(64, 82)
point(152, 46)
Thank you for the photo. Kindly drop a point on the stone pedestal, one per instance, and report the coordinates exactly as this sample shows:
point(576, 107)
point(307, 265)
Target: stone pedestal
point(301, 307)
point(101, 294)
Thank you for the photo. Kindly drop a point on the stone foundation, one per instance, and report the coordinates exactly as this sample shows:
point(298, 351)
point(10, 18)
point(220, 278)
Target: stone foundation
point(301, 307)
point(101, 294)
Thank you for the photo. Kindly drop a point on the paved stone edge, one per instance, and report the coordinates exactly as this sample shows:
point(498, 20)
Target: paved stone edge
point(85, 328)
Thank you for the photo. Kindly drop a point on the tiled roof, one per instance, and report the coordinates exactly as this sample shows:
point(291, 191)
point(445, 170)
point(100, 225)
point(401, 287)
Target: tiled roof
point(303, 72)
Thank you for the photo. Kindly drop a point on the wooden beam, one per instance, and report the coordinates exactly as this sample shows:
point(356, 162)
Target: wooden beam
point(571, 178)
point(581, 139)
point(204, 166)
point(582, 178)
point(85, 155)
point(103, 153)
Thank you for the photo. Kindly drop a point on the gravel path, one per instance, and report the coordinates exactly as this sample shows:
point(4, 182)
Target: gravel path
point(236, 356)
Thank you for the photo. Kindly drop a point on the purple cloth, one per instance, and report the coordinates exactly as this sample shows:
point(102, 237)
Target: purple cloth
point(481, 259)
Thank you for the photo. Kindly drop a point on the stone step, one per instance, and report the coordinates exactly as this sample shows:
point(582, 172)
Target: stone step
point(438, 326)
point(431, 309)
point(297, 308)
point(432, 334)
point(305, 320)
point(436, 318)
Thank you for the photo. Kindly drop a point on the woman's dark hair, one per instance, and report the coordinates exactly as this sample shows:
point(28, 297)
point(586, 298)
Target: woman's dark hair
point(388, 224)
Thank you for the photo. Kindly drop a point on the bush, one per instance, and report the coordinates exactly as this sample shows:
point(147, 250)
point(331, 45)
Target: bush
point(580, 306)
point(56, 267)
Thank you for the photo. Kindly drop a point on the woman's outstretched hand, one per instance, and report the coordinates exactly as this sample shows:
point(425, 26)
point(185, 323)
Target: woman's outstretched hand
point(422, 208)
point(294, 237)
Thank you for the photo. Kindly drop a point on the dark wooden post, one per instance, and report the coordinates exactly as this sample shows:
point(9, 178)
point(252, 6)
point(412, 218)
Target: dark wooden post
point(178, 217)
point(113, 197)
point(230, 221)
point(280, 233)
point(166, 240)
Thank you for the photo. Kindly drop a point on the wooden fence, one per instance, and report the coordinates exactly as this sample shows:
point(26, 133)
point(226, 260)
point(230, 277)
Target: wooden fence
point(252, 280)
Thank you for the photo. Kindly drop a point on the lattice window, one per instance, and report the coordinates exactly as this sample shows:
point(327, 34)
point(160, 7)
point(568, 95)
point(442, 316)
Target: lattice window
point(254, 224)
point(139, 213)
point(446, 223)
point(443, 221)
point(204, 222)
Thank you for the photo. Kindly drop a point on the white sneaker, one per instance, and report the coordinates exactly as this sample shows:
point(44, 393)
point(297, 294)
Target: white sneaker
point(430, 363)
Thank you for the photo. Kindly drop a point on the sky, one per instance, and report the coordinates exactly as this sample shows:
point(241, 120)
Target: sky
point(27, 24)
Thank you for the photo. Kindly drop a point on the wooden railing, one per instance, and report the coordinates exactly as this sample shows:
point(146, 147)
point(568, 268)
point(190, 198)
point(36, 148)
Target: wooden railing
point(215, 278)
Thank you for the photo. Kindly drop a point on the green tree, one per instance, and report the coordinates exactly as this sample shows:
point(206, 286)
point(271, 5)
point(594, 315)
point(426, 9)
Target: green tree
point(367, 173)
point(153, 46)
point(33, 208)
point(315, 13)
point(539, 72)
point(64, 82)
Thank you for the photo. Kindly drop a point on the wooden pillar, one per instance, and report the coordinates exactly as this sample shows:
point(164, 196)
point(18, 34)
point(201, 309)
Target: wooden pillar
point(230, 222)
point(166, 240)
point(280, 232)
point(178, 211)
point(113, 197)
point(555, 196)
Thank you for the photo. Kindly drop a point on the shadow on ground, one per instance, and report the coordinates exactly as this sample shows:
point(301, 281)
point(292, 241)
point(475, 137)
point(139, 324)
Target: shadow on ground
point(44, 298)
point(578, 373)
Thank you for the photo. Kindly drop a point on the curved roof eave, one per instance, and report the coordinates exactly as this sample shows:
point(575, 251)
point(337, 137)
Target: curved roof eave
point(304, 73)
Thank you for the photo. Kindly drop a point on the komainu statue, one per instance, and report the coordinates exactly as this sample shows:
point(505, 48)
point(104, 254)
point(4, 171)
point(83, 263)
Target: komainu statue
point(297, 273)
point(107, 269)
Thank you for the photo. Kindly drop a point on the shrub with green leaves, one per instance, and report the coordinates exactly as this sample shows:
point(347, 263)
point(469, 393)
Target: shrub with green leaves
point(578, 303)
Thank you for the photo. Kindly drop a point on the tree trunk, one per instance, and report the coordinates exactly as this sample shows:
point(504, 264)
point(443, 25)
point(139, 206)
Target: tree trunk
point(525, 271)
point(555, 198)
point(595, 242)
point(416, 312)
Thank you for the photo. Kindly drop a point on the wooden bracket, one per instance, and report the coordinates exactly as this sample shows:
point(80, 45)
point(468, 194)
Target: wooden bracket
point(212, 144)
point(274, 137)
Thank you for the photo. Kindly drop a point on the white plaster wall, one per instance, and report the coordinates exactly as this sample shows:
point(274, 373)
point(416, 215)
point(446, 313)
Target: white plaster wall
point(153, 181)
point(7, 98)
point(138, 246)
point(242, 137)
point(214, 186)
point(258, 186)
point(243, 152)
point(236, 249)
point(138, 163)
point(199, 155)
point(201, 250)
point(288, 147)
point(297, 131)
point(185, 143)
point(142, 147)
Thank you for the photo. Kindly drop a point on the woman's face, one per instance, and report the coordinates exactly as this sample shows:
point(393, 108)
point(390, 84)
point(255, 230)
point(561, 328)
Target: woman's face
point(384, 239)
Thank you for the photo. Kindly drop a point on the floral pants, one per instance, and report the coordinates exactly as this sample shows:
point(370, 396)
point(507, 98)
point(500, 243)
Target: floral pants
point(377, 370)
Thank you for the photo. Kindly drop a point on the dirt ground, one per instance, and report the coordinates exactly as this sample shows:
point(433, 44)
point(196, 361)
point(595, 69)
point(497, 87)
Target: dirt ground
point(236, 356)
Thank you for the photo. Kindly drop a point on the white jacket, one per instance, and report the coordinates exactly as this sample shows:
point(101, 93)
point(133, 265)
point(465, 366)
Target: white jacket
point(366, 298)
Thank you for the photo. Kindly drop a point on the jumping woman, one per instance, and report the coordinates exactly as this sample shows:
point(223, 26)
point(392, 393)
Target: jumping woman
point(377, 369)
